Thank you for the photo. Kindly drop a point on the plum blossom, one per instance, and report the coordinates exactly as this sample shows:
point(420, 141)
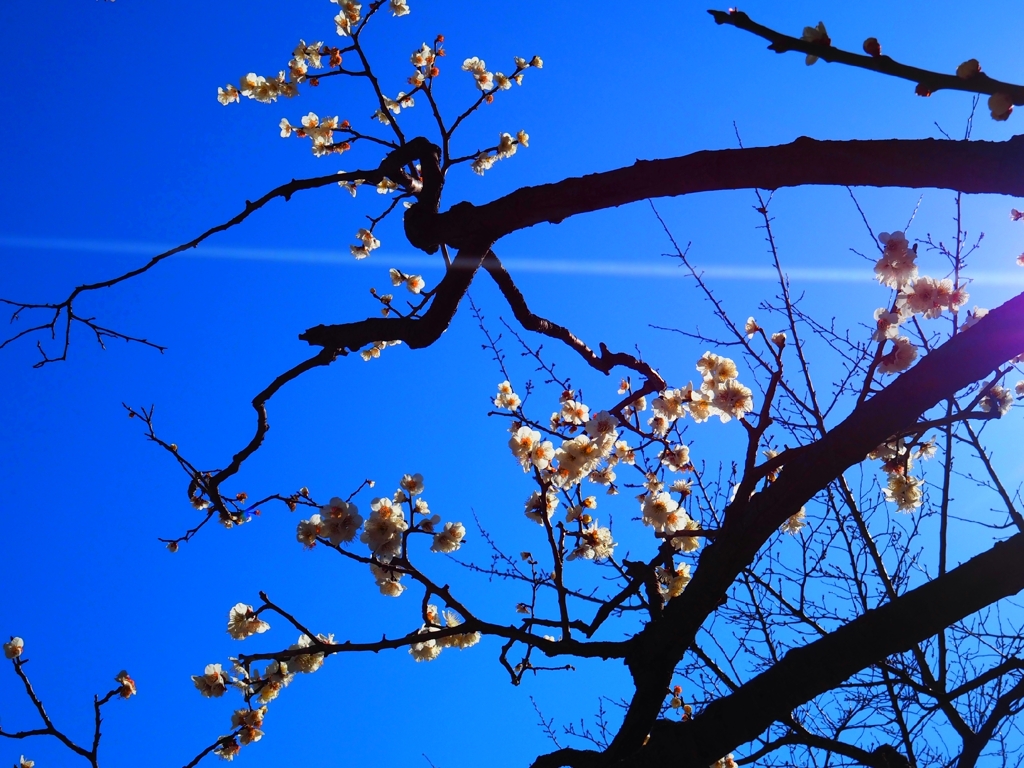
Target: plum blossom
point(382, 532)
point(685, 542)
point(732, 399)
point(213, 683)
point(968, 69)
point(449, 539)
point(676, 458)
point(276, 677)
point(536, 508)
point(973, 317)
point(816, 35)
point(574, 412)
point(506, 398)
point(369, 243)
point(228, 94)
point(1000, 106)
point(595, 543)
point(900, 358)
point(999, 399)
point(350, 14)
point(339, 521)
point(128, 688)
point(886, 324)
point(795, 522)
point(308, 662)
point(249, 721)
point(387, 580)
point(462, 641)
point(904, 490)
point(13, 648)
point(307, 531)
point(896, 268)
point(412, 484)
point(243, 622)
point(478, 68)
point(425, 650)
point(673, 582)
point(399, 7)
point(662, 512)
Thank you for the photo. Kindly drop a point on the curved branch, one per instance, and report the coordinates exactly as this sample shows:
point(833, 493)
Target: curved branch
point(966, 166)
point(416, 332)
point(966, 358)
point(930, 81)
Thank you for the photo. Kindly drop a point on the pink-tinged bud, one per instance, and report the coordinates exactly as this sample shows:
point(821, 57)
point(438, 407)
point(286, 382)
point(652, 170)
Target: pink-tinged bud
point(872, 47)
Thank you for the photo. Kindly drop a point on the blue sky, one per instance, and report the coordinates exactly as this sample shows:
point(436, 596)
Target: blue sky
point(116, 145)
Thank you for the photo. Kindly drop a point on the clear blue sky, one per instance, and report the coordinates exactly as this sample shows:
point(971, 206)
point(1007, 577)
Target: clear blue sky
point(115, 144)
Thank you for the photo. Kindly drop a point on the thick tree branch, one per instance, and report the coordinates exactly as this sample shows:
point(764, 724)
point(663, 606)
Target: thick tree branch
point(958, 363)
point(966, 166)
point(805, 672)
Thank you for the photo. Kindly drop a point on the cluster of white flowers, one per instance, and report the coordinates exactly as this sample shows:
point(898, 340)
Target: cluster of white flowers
point(424, 60)
point(430, 648)
point(999, 399)
point(449, 538)
point(929, 297)
point(320, 131)
point(923, 295)
point(663, 513)
point(350, 14)
point(897, 460)
point(795, 523)
point(414, 283)
point(720, 394)
point(373, 351)
point(383, 532)
point(724, 762)
point(262, 89)
point(539, 508)
point(489, 82)
point(369, 243)
point(594, 542)
point(507, 145)
point(672, 583)
point(897, 267)
point(394, 106)
point(506, 398)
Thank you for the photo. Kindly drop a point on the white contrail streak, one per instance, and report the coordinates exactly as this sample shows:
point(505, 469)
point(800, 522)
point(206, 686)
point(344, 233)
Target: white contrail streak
point(422, 262)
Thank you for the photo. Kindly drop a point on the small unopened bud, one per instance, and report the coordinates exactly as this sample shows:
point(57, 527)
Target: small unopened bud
point(779, 339)
point(872, 47)
point(172, 546)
